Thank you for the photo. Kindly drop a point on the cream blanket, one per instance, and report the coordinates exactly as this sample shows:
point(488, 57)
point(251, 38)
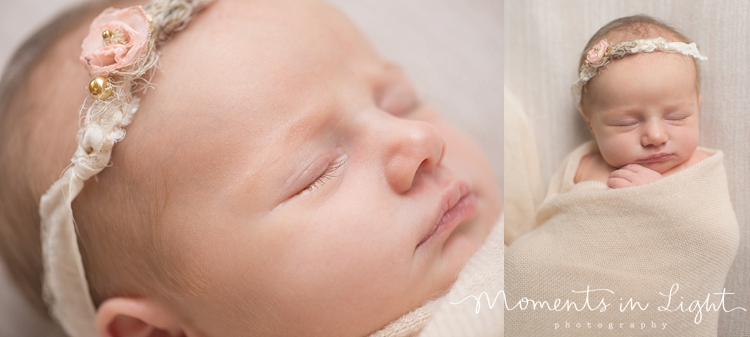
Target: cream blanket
point(597, 248)
point(464, 311)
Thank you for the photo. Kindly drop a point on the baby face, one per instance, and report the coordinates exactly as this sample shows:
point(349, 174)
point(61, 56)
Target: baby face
point(643, 109)
point(310, 193)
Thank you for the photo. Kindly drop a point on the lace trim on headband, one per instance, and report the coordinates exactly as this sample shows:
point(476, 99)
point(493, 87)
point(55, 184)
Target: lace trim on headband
point(602, 53)
point(119, 50)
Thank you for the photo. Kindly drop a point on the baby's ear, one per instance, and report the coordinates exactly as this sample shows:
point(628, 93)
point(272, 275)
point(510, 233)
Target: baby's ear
point(586, 118)
point(136, 317)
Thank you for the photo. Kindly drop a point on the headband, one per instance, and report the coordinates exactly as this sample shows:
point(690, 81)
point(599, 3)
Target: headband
point(119, 50)
point(602, 53)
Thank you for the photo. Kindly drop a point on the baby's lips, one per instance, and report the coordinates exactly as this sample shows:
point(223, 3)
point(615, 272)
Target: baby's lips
point(662, 156)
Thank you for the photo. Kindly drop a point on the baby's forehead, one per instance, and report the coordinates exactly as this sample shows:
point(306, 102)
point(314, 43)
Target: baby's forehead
point(249, 69)
point(264, 27)
point(261, 46)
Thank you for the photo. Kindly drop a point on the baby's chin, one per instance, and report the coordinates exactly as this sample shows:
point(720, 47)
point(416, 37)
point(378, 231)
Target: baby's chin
point(465, 241)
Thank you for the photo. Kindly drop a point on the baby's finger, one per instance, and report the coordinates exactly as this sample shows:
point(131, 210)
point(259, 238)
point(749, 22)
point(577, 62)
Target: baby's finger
point(623, 174)
point(633, 167)
point(618, 182)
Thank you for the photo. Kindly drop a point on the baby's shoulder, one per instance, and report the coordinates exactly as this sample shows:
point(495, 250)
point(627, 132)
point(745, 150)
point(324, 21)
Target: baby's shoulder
point(592, 167)
point(699, 155)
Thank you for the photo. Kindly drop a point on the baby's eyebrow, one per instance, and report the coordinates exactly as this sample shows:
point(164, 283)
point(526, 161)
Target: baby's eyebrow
point(311, 122)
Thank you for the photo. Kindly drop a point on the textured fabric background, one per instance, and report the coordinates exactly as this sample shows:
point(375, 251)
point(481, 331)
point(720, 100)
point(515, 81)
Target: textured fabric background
point(452, 50)
point(543, 41)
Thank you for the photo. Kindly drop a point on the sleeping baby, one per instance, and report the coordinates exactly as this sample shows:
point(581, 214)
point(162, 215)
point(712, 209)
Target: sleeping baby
point(639, 215)
point(278, 177)
point(644, 130)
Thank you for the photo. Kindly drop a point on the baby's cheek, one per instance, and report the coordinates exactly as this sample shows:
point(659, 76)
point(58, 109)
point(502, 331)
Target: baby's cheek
point(615, 151)
point(690, 138)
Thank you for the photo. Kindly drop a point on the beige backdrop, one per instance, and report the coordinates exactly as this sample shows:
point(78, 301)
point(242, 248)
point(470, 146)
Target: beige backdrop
point(452, 49)
point(543, 41)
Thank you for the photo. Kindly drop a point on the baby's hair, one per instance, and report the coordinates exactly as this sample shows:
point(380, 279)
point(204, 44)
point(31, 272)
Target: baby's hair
point(20, 245)
point(633, 27)
point(112, 230)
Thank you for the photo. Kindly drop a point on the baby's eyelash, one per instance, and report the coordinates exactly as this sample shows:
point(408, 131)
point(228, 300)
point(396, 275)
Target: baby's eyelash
point(327, 174)
point(625, 124)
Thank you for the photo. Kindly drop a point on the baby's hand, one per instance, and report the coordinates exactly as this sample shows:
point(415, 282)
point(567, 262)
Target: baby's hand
point(632, 175)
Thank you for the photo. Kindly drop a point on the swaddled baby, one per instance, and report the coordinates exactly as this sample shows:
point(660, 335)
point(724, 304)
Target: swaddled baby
point(643, 109)
point(278, 178)
point(639, 215)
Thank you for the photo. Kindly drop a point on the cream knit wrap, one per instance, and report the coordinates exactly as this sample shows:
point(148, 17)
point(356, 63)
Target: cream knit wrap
point(620, 244)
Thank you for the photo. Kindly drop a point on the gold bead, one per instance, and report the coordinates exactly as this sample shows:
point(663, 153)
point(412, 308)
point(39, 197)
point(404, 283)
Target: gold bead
point(106, 34)
point(99, 88)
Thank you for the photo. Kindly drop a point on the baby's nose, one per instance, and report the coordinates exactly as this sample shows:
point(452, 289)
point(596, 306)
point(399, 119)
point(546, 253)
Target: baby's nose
point(412, 148)
point(654, 135)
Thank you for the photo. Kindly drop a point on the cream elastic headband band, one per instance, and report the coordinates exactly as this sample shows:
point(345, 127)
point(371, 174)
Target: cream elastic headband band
point(602, 53)
point(119, 50)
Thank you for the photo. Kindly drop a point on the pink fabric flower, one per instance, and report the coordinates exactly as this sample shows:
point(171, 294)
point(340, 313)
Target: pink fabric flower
point(130, 29)
point(595, 56)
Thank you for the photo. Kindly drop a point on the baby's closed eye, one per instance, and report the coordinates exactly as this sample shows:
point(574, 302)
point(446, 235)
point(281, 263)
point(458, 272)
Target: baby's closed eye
point(327, 174)
point(398, 100)
point(677, 116)
point(624, 123)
